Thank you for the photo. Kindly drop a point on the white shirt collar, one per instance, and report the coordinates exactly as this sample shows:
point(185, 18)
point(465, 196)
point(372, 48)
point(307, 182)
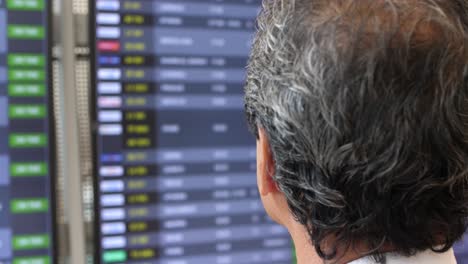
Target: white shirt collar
point(426, 257)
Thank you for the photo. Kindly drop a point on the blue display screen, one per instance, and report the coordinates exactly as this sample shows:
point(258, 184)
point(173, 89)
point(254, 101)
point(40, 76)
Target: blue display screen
point(26, 145)
point(175, 161)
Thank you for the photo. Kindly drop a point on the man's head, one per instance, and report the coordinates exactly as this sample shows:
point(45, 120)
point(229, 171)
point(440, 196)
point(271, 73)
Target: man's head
point(360, 108)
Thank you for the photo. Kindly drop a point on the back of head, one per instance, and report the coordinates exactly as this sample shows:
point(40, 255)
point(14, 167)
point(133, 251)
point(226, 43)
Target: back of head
point(365, 106)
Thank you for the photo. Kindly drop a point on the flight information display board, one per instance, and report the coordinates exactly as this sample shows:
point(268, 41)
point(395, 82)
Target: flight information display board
point(175, 163)
point(26, 134)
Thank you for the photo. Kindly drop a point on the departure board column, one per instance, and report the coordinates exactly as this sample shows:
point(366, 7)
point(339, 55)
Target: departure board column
point(175, 161)
point(26, 229)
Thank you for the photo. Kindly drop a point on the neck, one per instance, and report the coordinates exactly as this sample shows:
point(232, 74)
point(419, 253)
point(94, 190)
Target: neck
point(305, 251)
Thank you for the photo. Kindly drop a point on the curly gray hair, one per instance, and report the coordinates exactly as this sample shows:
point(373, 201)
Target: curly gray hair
point(365, 105)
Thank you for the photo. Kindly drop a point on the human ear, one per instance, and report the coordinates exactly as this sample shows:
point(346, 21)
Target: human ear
point(265, 165)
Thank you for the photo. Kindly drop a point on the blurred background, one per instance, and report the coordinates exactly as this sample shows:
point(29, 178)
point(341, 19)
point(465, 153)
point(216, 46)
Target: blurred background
point(122, 135)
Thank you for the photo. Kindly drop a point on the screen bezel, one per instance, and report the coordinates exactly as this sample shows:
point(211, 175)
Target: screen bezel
point(97, 258)
point(53, 170)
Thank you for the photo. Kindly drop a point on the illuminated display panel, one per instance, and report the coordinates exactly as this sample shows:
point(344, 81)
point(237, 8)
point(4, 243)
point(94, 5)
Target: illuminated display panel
point(26, 131)
point(175, 163)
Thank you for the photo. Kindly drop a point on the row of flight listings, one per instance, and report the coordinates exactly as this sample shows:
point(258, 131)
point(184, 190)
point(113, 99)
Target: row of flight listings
point(174, 162)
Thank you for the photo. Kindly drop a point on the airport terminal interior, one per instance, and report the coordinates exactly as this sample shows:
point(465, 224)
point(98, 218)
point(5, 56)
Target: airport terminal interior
point(122, 135)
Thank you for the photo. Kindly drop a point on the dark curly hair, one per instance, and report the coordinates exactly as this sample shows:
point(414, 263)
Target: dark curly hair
point(365, 106)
